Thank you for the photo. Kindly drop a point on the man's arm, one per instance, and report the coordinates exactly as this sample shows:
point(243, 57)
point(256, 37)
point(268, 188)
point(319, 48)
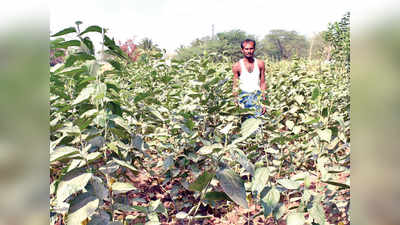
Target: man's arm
point(236, 72)
point(263, 86)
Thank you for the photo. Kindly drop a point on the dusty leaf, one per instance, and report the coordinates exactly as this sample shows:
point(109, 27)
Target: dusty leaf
point(82, 207)
point(63, 152)
point(208, 149)
point(260, 179)
point(233, 186)
point(325, 134)
point(71, 184)
point(270, 201)
point(201, 182)
point(121, 187)
point(295, 219)
point(289, 184)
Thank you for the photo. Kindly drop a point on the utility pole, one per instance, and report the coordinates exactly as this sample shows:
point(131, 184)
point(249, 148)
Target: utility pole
point(212, 34)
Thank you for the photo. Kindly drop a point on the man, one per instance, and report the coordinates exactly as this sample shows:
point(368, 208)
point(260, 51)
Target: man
point(249, 77)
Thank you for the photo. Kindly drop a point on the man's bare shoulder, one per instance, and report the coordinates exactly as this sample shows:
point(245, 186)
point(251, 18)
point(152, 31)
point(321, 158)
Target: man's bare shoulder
point(236, 66)
point(261, 63)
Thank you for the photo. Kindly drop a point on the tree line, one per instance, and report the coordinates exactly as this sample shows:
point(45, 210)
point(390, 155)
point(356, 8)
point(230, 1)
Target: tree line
point(277, 44)
point(332, 44)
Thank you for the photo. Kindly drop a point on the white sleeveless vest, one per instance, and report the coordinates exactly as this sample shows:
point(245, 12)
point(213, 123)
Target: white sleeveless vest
point(249, 82)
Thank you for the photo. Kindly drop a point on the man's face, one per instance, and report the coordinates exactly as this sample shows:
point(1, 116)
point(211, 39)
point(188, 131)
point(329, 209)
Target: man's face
point(248, 49)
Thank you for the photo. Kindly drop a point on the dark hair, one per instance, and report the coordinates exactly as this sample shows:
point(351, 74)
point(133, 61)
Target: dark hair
point(248, 40)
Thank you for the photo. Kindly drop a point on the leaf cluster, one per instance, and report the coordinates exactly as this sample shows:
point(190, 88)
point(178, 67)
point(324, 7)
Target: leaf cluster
point(113, 120)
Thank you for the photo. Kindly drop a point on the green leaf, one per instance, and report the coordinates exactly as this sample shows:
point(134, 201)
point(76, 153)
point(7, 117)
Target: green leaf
point(82, 207)
point(295, 219)
point(76, 163)
point(129, 208)
point(279, 211)
point(89, 44)
point(210, 71)
point(138, 143)
point(233, 186)
point(109, 168)
point(325, 135)
point(270, 201)
point(153, 217)
point(60, 207)
point(289, 124)
point(168, 162)
point(289, 184)
point(121, 122)
point(317, 212)
point(101, 218)
point(70, 60)
point(115, 222)
point(227, 128)
point(299, 99)
point(156, 114)
point(189, 124)
point(65, 31)
point(125, 164)
point(216, 196)
point(241, 158)
point(248, 128)
point(66, 44)
point(89, 113)
point(324, 112)
point(63, 152)
point(181, 215)
point(115, 64)
point(208, 149)
point(315, 93)
point(307, 181)
point(260, 179)
point(201, 182)
point(93, 156)
point(84, 94)
point(158, 206)
point(71, 184)
point(98, 188)
point(114, 49)
point(121, 187)
point(80, 56)
point(337, 184)
point(93, 28)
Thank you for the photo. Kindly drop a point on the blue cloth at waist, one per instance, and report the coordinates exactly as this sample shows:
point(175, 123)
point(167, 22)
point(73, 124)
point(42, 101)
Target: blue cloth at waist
point(251, 100)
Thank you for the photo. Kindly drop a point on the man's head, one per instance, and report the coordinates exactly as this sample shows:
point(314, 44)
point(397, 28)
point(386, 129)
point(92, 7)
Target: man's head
point(247, 41)
point(248, 47)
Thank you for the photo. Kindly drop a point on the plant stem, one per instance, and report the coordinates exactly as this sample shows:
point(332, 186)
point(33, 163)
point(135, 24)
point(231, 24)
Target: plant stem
point(201, 199)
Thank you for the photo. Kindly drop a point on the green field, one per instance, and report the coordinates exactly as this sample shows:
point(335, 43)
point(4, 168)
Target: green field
point(160, 141)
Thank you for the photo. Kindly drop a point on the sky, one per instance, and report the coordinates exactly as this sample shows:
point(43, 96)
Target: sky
point(173, 23)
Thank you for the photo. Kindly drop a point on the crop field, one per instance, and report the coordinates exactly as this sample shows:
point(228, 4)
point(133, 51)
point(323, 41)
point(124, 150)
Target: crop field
point(159, 141)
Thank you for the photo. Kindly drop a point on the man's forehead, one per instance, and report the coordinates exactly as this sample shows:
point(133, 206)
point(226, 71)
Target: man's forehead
point(248, 44)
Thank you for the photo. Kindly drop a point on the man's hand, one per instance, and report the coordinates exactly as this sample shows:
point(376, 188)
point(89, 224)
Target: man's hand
point(235, 97)
point(264, 109)
point(235, 70)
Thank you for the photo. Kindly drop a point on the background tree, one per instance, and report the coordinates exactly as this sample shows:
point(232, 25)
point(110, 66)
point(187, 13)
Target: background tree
point(232, 40)
point(319, 47)
point(225, 43)
point(148, 45)
point(281, 44)
point(338, 36)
